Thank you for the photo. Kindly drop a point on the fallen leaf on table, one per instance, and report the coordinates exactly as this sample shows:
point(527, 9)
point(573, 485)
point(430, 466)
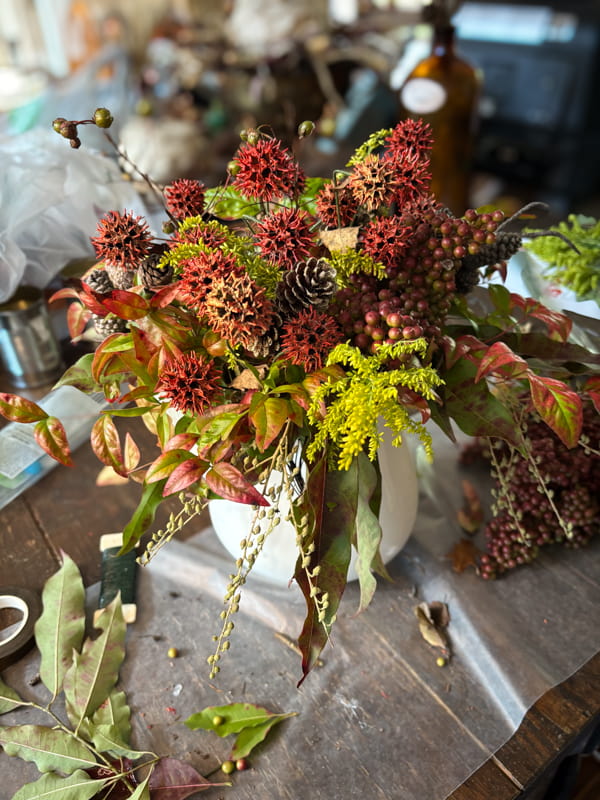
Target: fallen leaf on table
point(470, 516)
point(432, 619)
point(464, 554)
point(340, 239)
point(172, 779)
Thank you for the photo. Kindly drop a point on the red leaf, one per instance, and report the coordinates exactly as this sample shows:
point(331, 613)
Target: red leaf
point(182, 441)
point(229, 483)
point(77, 318)
point(559, 326)
point(166, 463)
point(592, 387)
point(184, 475)
point(126, 305)
point(105, 443)
point(51, 437)
point(268, 415)
point(93, 301)
point(559, 407)
point(164, 296)
point(501, 359)
point(19, 409)
point(464, 347)
point(68, 292)
point(172, 779)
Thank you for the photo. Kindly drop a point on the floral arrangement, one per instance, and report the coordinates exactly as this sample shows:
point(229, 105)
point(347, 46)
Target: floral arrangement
point(283, 317)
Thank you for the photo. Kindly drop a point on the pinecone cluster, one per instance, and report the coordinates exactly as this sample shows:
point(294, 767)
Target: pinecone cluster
point(310, 283)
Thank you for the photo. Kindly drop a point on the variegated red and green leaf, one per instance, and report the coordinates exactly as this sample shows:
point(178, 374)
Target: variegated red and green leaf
point(126, 305)
point(164, 296)
point(186, 474)
point(267, 415)
point(164, 465)
point(559, 406)
point(227, 482)
point(51, 436)
point(20, 409)
point(559, 326)
point(106, 444)
point(78, 317)
point(502, 361)
point(592, 388)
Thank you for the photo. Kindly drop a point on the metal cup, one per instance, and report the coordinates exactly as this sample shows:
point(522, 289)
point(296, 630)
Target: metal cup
point(29, 350)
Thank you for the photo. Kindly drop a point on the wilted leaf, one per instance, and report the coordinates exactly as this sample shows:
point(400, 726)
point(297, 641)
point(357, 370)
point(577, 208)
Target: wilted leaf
point(9, 699)
point(432, 618)
point(464, 554)
point(107, 739)
point(49, 749)
point(340, 239)
point(246, 380)
point(60, 629)
point(470, 516)
point(78, 786)
point(172, 779)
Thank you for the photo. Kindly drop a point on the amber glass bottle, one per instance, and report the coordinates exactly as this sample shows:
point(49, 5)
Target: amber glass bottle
point(443, 90)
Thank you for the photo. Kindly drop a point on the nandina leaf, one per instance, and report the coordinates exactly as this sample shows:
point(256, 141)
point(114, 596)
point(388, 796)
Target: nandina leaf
point(78, 317)
point(559, 326)
point(115, 712)
point(592, 388)
point(126, 305)
point(49, 749)
point(466, 346)
point(92, 301)
point(60, 629)
point(143, 516)
point(500, 359)
point(233, 718)
point(106, 445)
point(182, 441)
point(227, 482)
point(19, 409)
point(268, 415)
point(66, 293)
point(181, 469)
point(164, 296)
point(80, 375)
point(9, 699)
point(94, 672)
point(131, 453)
point(172, 779)
point(51, 436)
point(329, 501)
point(78, 786)
point(559, 407)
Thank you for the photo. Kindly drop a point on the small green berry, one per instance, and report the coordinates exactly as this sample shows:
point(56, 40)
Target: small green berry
point(253, 137)
point(441, 661)
point(244, 134)
point(103, 118)
point(168, 227)
point(228, 767)
point(172, 652)
point(305, 128)
point(233, 168)
point(58, 123)
point(217, 720)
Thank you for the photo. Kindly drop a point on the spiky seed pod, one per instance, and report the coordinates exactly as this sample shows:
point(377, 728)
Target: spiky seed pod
point(120, 277)
point(104, 326)
point(310, 284)
point(238, 309)
point(185, 198)
point(151, 274)
point(99, 281)
point(122, 239)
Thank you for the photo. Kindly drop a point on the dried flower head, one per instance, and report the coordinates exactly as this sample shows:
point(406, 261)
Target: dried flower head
point(122, 240)
point(411, 176)
point(200, 271)
point(284, 237)
point(238, 309)
point(190, 382)
point(267, 171)
point(308, 337)
point(336, 206)
point(373, 182)
point(185, 198)
point(414, 136)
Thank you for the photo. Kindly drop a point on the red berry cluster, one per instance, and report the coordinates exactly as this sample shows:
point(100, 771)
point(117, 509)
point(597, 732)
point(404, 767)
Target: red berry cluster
point(415, 295)
point(572, 477)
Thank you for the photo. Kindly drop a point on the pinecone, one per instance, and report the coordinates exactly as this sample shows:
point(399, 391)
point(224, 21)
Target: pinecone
point(121, 277)
point(104, 326)
point(309, 284)
point(99, 281)
point(151, 275)
point(505, 246)
point(265, 345)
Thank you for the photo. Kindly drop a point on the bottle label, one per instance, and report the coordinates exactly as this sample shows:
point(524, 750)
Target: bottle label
point(422, 96)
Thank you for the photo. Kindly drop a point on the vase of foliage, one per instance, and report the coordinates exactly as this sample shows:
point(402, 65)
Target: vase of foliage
point(286, 319)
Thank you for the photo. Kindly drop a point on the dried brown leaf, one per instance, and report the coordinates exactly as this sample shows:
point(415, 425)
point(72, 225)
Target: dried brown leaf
point(432, 618)
point(470, 516)
point(464, 554)
point(340, 239)
point(246, 380)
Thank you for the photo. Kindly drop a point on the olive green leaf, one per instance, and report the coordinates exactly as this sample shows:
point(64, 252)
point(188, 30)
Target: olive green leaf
point(60, 628)
point(9, 699)
point(115, 712)
point(106, 739)
point(48, 748)
point(233, 718)
point(78, 786)
point(247, 739)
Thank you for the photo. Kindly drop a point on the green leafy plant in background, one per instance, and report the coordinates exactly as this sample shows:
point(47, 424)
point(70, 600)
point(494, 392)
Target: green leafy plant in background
point(573, 258)
point(89, 754)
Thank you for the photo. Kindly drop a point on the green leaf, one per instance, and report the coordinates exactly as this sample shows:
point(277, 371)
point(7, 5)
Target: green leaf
point(80, 375)
point(94, 673)
point(247, 739)
point(106, 739)
point(78, 786)
point(115, 712)
point(48, 748)
point(19, 409)
point(51, 436)
point(234, 718)
point(60, 629)
point(142, 792)
point(368, 529)
point(559, 407)
point(268, 415)
point(9, 699)
point(329, 502)
point(143, 516)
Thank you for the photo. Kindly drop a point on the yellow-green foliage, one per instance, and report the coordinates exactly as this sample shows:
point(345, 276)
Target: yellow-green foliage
point(369, 391)
point(374, 142)
point(351, 262)
point(580, 271)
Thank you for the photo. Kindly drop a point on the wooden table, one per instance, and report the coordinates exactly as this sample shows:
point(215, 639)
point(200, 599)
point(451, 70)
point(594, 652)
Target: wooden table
point(66, 511)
